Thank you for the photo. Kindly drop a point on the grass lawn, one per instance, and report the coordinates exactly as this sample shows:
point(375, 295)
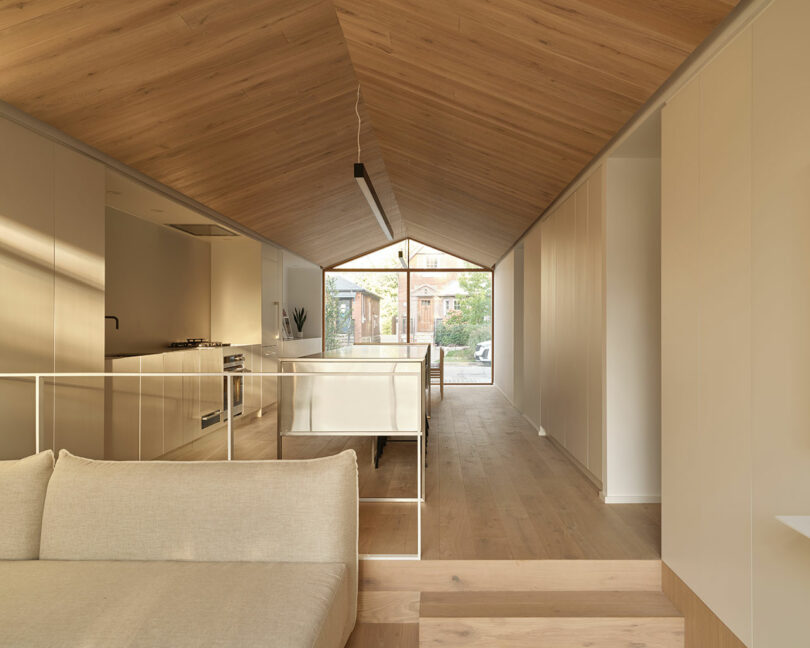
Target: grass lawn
point(464, 354)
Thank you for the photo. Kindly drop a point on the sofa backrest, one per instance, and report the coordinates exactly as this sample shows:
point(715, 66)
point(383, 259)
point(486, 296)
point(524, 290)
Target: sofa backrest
point(23, 483)
point(289, 511)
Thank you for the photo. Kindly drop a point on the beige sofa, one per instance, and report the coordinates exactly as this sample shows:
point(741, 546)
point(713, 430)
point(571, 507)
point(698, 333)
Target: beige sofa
point(103, 553)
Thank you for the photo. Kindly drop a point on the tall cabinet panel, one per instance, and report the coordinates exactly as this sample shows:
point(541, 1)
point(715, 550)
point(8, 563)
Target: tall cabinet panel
point(78, 315)
point(271, 321)
point(780, 408)
point(595, 307)
point(680, 274)
point(724, 372)
point(578, 436)
point(52, 291)
point(706, 336)
point(572, 324)
point(26, 280)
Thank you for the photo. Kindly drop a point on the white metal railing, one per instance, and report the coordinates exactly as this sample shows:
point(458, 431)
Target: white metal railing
point(419, 435)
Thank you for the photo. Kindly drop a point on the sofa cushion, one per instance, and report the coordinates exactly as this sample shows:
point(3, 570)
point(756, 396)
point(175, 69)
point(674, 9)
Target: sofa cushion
point(172, 604)
point(22, 496)
point(267, 511)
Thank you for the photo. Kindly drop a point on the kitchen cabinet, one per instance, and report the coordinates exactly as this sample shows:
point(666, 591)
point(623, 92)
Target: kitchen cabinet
point(190, 363)
point(151, 407)
point(271, 322)
point(52, 291)
point(211, 387)
point(271, 296)
point(122, 425)
point(269, 362)
point(149, 416)
point(253, 384)
point(78, 311)
point(173, 425)
point(301, 347)
point(236, 290)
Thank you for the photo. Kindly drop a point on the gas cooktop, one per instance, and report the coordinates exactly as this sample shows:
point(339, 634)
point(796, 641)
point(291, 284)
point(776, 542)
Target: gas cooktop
point(195, 343)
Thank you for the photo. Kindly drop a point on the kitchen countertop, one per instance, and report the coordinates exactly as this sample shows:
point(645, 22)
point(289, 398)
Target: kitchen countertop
point(137, 354)
point(372, 352)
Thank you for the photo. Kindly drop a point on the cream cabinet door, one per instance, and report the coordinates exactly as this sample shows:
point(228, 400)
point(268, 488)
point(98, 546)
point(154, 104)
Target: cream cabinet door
point(122, 425)
point(192, 428)
point(26, 282)
point(211, 387)
point(152, 398)
point(173, 408)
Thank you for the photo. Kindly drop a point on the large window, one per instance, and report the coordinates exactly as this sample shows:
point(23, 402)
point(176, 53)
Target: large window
point(364, 308)
point(410, 292)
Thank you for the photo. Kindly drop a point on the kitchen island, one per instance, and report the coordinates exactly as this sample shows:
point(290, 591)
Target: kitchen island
point(377, 391)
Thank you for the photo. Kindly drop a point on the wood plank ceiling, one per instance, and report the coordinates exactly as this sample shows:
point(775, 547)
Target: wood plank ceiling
point(479, 111)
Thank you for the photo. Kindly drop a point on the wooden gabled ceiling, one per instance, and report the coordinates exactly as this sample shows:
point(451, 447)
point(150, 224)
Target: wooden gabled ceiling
point(479, 111)
point(485, 110)
point(246, 106)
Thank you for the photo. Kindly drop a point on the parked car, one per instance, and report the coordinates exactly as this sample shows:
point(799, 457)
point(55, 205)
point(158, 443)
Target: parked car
point(483, 352)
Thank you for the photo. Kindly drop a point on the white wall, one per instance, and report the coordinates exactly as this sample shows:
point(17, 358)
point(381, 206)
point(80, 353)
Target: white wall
point(158, 284)
point(503, 347)
point(633, 330)
point(303, 288)
point(736, 316)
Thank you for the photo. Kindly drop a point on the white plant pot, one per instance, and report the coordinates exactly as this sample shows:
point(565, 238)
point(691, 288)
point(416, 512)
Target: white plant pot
point(299, 335)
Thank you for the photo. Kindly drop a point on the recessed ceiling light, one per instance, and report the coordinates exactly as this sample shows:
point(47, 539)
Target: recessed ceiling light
point(202, 229)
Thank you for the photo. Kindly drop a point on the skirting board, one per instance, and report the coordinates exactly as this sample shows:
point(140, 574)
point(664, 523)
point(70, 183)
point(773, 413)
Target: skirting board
point(629, 499)
point(575, 462)
point(503, 393)
point(539, 428)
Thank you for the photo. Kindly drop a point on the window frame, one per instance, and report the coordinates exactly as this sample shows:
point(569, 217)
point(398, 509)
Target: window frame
point(408, 270)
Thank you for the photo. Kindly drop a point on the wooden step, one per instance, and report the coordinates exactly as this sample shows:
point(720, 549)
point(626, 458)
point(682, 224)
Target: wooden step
point(546, 604)
point(561, 619)
point(552, 632)
point(510, 575)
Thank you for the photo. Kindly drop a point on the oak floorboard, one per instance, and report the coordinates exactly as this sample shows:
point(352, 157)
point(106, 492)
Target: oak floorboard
point(510, 575)
point(384, 635)
point(552, 632)
point(545, 604)
point(495, 489)
point(388, 607)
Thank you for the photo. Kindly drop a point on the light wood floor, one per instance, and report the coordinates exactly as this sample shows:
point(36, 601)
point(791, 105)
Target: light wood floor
point(516, 603)
point(495, 489)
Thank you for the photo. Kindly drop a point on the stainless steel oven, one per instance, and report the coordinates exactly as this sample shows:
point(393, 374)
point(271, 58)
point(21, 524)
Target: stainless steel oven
point(234, 364)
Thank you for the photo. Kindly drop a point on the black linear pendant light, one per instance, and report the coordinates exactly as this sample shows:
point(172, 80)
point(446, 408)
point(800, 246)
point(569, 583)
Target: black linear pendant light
point(364, 182)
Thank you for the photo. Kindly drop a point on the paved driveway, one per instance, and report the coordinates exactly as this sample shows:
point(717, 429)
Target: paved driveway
point(466, 372)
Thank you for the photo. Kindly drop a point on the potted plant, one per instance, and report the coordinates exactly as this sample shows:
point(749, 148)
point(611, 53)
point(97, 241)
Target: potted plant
point(299, 317)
